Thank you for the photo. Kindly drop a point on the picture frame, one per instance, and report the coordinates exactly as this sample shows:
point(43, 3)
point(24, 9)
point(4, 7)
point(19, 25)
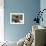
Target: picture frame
point(16, 18)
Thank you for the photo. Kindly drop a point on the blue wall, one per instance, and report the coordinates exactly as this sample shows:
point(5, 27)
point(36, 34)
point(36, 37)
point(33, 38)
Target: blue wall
point(28, 7)
point(43, 6)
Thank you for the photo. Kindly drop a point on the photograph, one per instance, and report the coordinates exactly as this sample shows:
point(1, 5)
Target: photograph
point(16, 18)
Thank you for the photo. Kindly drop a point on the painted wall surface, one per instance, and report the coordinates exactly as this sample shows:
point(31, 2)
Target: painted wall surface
point(43, 6)
point(28, 7)
point(1, 21)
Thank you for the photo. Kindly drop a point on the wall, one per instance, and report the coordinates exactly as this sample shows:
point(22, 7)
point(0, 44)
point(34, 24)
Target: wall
point(1, 21)
point(43, 6)
point(29, 8)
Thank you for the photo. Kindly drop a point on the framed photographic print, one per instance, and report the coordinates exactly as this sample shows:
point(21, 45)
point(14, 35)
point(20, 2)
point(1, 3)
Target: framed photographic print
point(16, 18)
